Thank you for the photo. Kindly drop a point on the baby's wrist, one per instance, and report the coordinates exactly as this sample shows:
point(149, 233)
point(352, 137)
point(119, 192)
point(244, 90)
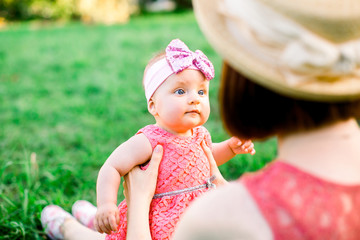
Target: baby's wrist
point(105, 204)
point(229, 146)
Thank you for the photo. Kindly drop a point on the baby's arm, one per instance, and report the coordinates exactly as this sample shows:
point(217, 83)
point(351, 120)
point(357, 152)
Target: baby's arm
point(135, 151)
point(227, 149)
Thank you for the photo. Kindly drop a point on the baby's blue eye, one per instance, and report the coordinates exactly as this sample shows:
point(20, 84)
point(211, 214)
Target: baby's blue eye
point(201, 92)
point(180, 91)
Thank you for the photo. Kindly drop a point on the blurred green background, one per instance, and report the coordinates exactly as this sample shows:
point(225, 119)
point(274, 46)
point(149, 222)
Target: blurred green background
point(70, 93)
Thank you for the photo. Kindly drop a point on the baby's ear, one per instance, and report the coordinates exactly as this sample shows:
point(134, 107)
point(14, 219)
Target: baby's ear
point(151, 107)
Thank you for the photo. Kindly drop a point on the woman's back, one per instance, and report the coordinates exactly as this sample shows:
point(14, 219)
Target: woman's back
point(298, 205)
point(305, 200)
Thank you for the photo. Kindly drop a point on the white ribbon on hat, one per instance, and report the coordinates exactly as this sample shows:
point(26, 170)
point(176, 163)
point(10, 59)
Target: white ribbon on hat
point(303, 52)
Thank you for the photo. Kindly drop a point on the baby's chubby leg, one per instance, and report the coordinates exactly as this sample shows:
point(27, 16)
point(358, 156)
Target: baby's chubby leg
point(74, 230)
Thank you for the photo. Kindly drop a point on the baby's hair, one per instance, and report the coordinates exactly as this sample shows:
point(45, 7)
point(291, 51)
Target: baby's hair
point(153, 60)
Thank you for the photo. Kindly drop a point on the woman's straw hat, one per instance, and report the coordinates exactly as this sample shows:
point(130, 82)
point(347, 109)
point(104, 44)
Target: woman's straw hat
point(307, 49)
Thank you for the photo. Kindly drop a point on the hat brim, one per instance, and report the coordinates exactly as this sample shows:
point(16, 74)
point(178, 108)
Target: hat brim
point(214, 26)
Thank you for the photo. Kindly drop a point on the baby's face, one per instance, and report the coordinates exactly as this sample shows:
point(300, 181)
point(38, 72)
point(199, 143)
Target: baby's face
point(182, 102)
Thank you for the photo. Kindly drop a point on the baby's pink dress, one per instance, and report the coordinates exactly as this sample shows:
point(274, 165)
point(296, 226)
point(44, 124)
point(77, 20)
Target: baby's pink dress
point(184, 165)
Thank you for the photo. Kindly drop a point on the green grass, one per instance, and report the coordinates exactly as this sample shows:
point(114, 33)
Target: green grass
point(69, 95)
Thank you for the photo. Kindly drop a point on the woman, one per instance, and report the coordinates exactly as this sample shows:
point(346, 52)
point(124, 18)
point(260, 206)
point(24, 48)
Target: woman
point(291, 67)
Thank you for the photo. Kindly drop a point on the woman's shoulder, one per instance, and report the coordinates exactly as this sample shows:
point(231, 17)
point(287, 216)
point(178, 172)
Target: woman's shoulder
point(229, 212)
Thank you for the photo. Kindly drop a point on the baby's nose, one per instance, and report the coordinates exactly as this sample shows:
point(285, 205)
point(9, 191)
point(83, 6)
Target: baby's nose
point(194, 98)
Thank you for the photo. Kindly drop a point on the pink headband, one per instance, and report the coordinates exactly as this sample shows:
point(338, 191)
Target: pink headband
point(178, 58)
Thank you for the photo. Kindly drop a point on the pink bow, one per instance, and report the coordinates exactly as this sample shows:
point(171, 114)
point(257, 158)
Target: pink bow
point(180, 57)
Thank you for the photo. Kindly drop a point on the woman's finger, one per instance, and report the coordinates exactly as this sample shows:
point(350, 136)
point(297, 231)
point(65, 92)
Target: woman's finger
point(155, 160)
point(125, 188)
point(214, 170)
point(208, 153)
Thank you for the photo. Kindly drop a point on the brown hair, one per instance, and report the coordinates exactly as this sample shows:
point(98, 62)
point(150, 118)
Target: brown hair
point(252, 111)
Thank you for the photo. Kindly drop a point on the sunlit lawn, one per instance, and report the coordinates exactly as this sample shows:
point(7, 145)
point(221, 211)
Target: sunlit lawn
point(69, 95)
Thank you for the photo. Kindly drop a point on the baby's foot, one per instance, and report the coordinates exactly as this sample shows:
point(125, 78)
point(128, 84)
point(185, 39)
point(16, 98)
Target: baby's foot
point(84, 212)
point(52, 218)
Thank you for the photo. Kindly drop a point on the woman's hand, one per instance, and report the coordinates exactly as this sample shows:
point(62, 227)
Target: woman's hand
point(139, 189)
point(214, 170)
point(141, 184)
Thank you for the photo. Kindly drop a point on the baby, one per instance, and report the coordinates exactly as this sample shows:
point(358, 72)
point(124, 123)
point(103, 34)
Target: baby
point(177, 91)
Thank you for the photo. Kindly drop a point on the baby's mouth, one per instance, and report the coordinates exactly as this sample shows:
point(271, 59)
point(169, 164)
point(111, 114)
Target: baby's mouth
point(194, 111)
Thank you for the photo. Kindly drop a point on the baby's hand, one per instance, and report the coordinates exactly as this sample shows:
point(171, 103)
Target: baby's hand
point(241, 146)
point(107, 218)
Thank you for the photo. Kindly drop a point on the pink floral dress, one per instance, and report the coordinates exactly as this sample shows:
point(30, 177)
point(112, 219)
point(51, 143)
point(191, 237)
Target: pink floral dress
point(184, 165)
point(301, 206)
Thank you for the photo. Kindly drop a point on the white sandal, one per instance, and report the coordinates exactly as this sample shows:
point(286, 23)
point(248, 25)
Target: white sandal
point(84, 212)
point(52, 218)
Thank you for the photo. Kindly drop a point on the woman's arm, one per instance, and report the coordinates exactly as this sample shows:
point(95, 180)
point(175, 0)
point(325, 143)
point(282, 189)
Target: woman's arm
point(124, 158)
point(214, 170)
point(139, 189)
